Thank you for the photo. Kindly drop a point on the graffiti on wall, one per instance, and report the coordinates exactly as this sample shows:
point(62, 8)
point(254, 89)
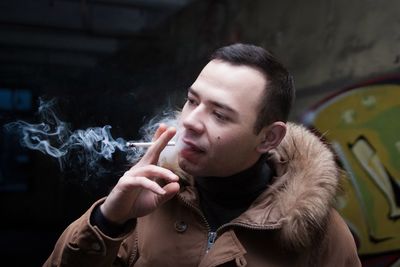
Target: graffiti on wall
point(362, 124)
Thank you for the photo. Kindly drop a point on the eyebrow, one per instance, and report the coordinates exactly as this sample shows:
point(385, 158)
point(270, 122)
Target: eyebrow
point(215, 103)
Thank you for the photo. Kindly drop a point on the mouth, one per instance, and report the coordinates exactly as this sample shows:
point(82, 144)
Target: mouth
point(191, 151)
point(192, 146)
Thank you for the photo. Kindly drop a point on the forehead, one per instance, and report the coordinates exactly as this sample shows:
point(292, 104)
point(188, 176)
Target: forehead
point(238, 86)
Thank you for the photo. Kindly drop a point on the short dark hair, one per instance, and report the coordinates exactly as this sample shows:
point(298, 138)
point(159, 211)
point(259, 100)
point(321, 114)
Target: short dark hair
point(279, 93)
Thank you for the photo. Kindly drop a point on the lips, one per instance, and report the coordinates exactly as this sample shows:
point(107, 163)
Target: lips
point(191, 151)
point(192, 146)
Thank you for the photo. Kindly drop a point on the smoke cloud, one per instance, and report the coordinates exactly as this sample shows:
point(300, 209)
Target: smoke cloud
point(81, 149)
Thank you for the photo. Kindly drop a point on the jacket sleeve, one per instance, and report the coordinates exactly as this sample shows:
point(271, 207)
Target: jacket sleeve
point(83, 244)
point(339, 248)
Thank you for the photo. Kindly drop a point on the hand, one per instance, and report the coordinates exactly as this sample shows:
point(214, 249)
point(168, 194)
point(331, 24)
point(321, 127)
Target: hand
point(136, 193)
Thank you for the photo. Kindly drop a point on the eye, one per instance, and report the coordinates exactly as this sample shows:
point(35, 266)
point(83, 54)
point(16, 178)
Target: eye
point(191, 101)
point(220, 117)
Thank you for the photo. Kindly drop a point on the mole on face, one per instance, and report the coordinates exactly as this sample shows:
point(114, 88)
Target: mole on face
point(219, 137)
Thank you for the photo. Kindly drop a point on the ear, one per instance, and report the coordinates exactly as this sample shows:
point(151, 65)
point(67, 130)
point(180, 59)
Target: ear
point(271, 136)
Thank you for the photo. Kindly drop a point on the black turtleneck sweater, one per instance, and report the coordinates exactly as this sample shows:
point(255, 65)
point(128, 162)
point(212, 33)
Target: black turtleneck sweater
point(222, 199)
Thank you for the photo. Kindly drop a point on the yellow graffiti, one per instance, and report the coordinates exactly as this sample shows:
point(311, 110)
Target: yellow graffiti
point(363, 126)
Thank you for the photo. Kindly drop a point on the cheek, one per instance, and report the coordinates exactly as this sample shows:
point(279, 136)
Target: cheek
point(218, 145)
point(229, 141)
point(223, 143)
point(241, 141)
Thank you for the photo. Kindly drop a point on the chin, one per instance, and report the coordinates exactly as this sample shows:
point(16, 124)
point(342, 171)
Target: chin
point(190, 168)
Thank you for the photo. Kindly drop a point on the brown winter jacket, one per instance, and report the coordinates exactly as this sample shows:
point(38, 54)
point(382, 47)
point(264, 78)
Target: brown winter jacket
point(292, 223)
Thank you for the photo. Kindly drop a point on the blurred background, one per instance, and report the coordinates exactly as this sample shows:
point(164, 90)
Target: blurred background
point(122, 62)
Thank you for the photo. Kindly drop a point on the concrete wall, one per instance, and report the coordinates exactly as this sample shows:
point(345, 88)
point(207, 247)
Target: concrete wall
point(326, 44)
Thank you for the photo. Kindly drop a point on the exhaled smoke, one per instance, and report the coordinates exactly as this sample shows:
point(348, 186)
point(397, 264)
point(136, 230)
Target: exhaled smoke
point(85, 149)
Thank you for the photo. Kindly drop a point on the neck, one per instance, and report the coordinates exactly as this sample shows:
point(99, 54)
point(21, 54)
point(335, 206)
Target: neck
point(225, 198)
point(240, 184)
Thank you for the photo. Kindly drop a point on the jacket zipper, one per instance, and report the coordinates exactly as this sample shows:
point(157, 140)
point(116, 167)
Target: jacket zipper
point(198, 211)
point(245, 226)
point(211, 239)
point(212, 236)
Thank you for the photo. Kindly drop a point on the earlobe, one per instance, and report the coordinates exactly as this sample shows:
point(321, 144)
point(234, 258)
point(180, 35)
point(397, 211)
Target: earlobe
point(271, 136)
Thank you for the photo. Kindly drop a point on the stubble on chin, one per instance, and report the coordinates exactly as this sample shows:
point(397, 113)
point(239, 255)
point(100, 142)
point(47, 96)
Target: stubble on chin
point(183, 165)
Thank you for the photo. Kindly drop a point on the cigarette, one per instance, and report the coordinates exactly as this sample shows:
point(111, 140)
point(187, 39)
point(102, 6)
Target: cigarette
point(144, 144)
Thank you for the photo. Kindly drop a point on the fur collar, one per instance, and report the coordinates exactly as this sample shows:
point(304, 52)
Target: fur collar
point(302, 193)
point(304, 190)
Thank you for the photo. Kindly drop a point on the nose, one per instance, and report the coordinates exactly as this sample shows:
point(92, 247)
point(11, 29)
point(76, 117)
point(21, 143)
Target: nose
point(193, 120)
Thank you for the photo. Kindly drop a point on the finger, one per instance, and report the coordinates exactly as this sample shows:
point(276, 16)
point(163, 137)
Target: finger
point(153, 171)
point(143, 182)
point(153, 153)
point(161, 128)
point(171, 190)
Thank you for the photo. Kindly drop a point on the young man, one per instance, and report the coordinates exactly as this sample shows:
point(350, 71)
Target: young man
point(241, 188)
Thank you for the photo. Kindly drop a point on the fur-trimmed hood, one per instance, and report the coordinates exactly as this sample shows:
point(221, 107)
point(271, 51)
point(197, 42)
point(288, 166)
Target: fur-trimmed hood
point(302, 193)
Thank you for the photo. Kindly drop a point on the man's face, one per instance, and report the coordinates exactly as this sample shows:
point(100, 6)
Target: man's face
point(216, 136)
